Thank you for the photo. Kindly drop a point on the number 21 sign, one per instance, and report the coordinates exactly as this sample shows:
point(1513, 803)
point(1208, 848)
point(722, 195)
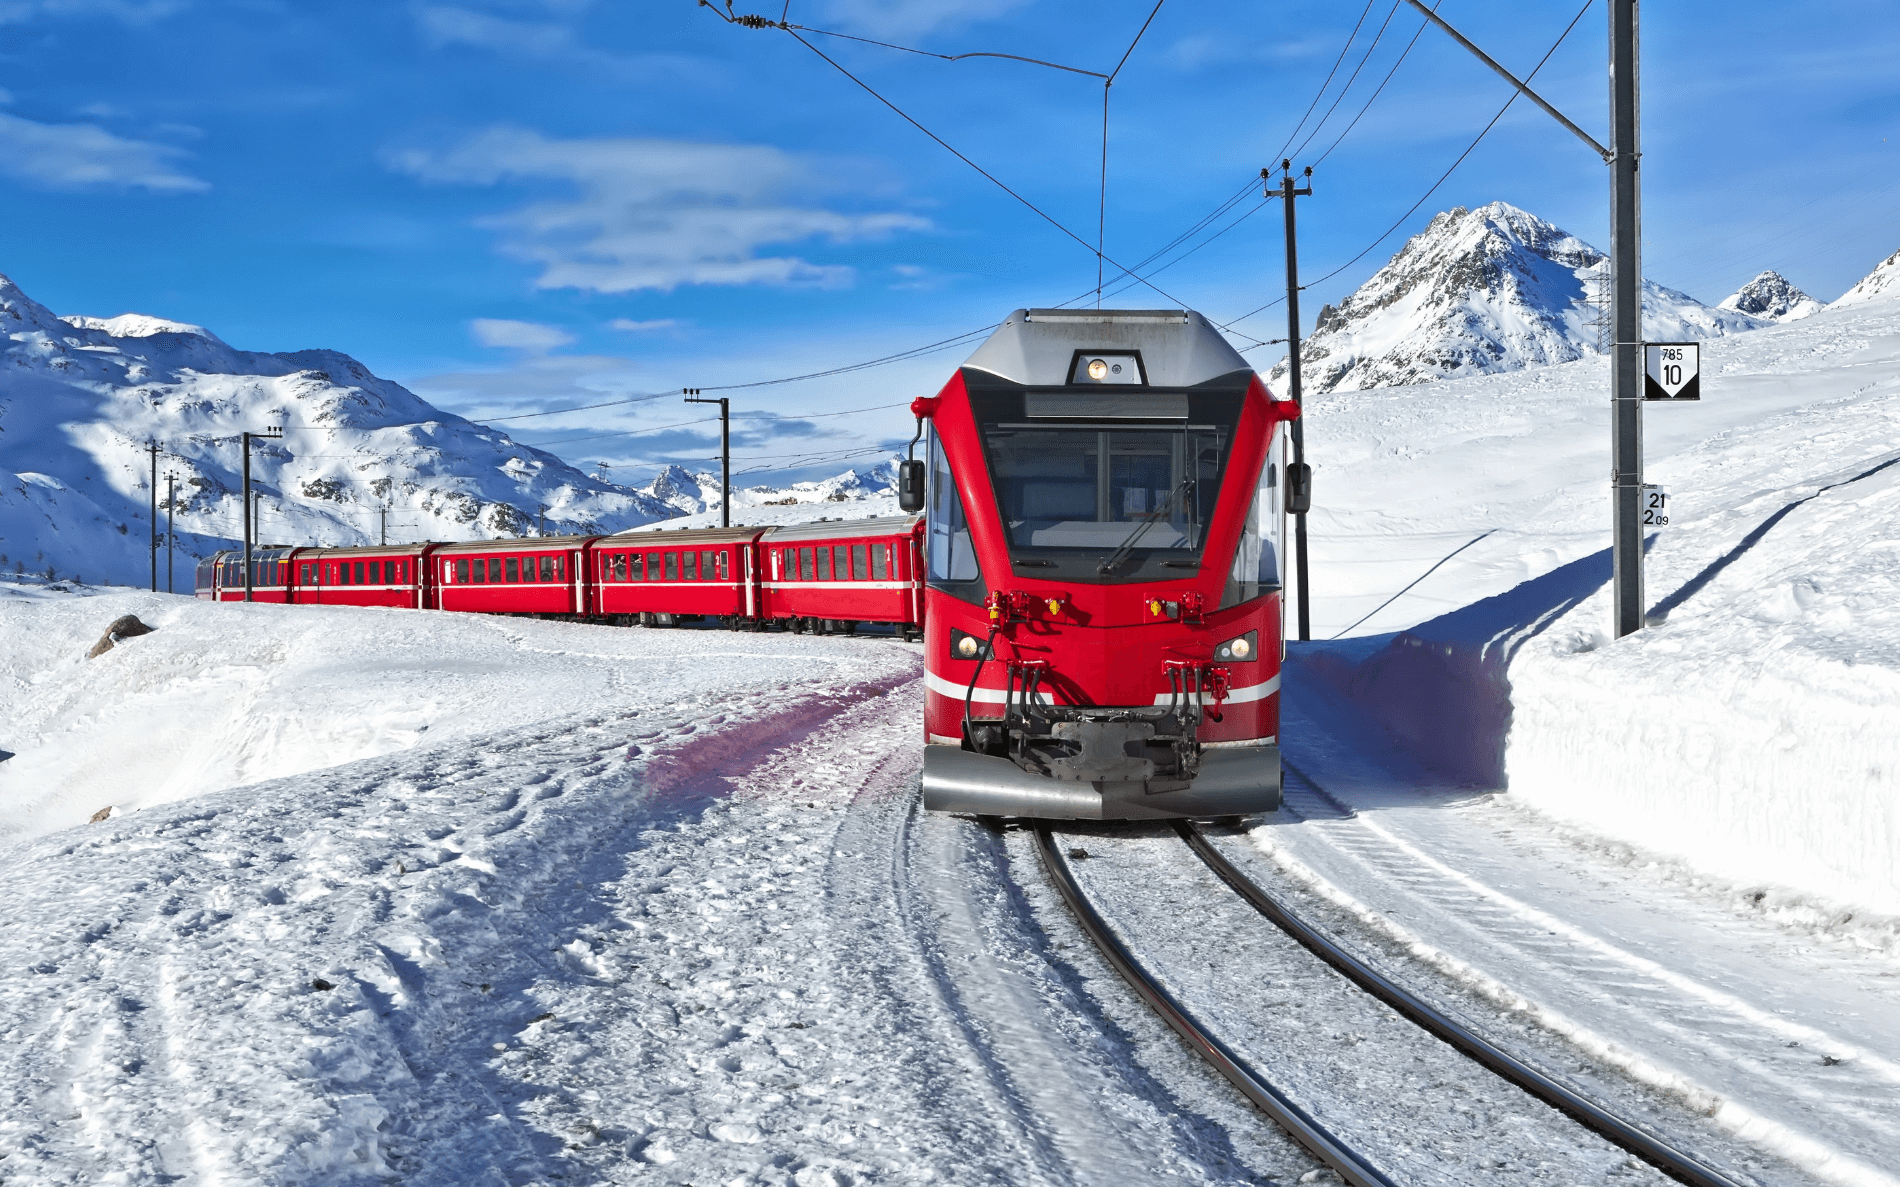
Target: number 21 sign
point(1672, 371)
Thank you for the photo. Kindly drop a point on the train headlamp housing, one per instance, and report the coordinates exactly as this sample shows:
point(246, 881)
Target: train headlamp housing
point(1240, 650)
point(965, 646)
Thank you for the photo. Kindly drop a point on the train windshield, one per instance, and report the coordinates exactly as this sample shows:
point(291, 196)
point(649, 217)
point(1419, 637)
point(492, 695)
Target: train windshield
point(1094, 499)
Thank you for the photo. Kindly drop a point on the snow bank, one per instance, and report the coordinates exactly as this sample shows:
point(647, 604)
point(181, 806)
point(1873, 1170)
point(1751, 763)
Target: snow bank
point(1752, 729)
point(227, 694)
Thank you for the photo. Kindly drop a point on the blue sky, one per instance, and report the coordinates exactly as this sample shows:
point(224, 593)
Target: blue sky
point(522, 205)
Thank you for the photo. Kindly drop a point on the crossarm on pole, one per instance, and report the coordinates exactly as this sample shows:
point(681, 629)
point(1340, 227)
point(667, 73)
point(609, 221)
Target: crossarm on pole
point(1533, 96)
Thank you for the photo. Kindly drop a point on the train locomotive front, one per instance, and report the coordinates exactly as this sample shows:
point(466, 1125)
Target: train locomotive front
point(1103, 542)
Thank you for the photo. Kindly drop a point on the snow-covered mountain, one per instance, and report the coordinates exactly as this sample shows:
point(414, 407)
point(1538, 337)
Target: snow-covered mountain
point(1481, 291)
point(694, 493)
point(1771, 297)
point(1882, 282)
point(80, 398)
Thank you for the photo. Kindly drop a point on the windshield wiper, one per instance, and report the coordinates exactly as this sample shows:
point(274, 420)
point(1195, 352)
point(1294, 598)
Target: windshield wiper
point(1114, 559)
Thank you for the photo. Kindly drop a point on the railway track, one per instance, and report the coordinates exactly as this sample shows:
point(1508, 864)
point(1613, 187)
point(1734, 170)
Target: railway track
point(1333, 1149)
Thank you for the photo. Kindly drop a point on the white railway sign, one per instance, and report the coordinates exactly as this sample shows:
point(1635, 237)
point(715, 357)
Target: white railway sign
point(1655, 506)
point(1672, 371)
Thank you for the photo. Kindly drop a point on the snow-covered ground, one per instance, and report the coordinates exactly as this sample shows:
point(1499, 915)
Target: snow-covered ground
point(443, 899)
point(1460, 541)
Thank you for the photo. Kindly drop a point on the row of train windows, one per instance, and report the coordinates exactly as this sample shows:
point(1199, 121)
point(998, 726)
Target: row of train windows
point(495, 570)
point(353, 573)
point(839, 562)
point(262, 573)
point(711, 565)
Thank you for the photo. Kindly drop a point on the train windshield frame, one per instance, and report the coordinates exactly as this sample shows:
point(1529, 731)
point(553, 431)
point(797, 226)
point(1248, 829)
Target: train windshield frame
point(1108, 489)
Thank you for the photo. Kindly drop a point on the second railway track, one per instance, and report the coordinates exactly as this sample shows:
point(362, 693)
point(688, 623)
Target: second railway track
point(1335, 1130)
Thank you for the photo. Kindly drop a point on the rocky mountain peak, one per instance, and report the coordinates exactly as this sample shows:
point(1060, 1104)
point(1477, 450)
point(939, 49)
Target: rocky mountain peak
point(1771, 297)
point(1479, 291)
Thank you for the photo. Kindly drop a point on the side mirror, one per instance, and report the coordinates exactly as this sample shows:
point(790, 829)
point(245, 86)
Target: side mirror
point(1299, 488)
point(910, 486)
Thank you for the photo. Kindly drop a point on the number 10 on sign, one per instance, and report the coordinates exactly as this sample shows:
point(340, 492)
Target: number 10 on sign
point(1672, 371)
point(1655, 506)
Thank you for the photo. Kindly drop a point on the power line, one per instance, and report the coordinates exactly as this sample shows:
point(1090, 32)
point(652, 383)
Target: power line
point(1321, 93)
point(1400, 221)
point(1403, 54)
point(1354, 77)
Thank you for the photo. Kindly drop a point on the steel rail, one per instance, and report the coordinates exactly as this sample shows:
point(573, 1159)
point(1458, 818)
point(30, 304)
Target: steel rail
point(1678, 1165)
point(1297, 1122)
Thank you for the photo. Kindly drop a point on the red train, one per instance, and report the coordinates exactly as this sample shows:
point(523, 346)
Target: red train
point(1096, 576)
point(1104, 527)
point(824, 577)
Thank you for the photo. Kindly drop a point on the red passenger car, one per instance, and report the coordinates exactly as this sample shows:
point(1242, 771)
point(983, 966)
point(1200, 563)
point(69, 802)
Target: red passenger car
point(388, 575)
point(221, 578)
point(830, 577)
point(661, 578)
point(537, 575)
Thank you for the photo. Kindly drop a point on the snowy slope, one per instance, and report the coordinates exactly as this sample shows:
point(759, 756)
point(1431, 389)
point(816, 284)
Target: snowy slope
point(1751, 730)
point(1483, 291)
point(80, 397)
point(693, 494)
point(1883, 282)
point(1771, 297)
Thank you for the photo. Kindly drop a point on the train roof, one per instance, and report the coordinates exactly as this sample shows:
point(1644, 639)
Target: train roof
point(676, 537)
point(308, 553)
point(1039, 347)
point(516, 544)
point(883, 525)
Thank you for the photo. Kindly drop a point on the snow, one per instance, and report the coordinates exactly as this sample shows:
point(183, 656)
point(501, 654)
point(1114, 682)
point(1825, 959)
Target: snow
point(80, 398)
point(449, 899)
point(1483, 291)
point(1770, 297)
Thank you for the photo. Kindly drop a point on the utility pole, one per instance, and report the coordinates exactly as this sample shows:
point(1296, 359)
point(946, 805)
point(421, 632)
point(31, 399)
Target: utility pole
point(540, 519)
point(151, 447)
point(1626, 298)
point(1287, 193)
point(171, 506)
point(1626, 321)
point(249, 520)
point(384, 510)
point(725, 452)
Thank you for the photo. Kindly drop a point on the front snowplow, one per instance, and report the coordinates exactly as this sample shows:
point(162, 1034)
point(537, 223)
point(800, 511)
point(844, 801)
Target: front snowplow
point(1231, 782)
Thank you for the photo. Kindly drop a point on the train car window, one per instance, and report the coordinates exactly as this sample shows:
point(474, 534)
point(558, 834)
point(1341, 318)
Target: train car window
point(724, 560)
point(949, 555)
point(343, 573)
point(359, 575)
point(547, 568)
point(689, 566)
point(709, 564)
point(461, 571)
point(805, 566)
point(617, 565)
point(653, 566)
point(512, 567)
point(880, 562)
point(1256, 567)
point(672, 566)
point(1107, 500)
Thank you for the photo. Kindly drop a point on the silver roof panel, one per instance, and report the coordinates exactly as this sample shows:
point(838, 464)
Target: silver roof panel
point(1035, 347)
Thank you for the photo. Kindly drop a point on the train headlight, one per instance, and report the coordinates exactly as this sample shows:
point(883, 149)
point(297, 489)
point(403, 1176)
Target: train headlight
point(1098, 370)
point(1246, 647)
point(965, 646)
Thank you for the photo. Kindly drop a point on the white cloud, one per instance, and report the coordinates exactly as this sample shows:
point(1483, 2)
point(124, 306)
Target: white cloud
point(910, 18)
point(85, 156)
point(628, 325)
point(518, 335)
point(656, 214)
point(444, 25)
point(14, 12)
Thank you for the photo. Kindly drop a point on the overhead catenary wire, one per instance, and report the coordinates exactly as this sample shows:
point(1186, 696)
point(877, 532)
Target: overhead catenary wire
point(1354, 77)
point(1400, 221)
